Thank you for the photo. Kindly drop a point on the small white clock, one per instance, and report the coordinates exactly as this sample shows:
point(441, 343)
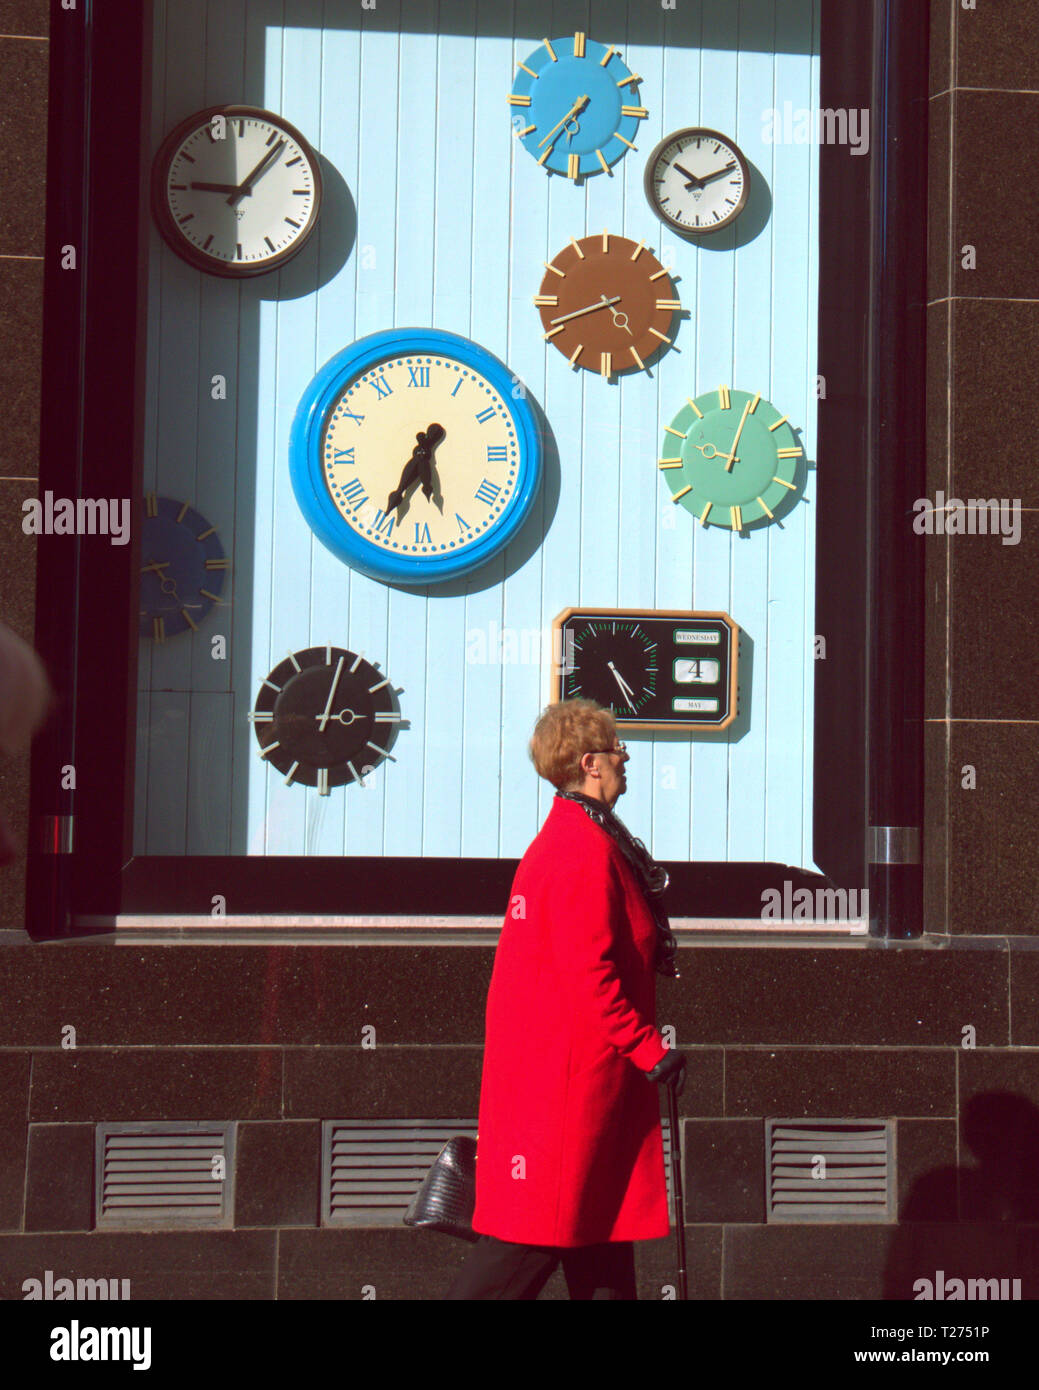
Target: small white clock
point(697, 181)
point(236, 190)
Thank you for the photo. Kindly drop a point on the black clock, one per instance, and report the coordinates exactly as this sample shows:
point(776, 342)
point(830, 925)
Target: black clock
point(325, 717)
point(659, 670)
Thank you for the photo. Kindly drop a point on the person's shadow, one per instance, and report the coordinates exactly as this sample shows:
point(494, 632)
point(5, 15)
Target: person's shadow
point(973, 1222)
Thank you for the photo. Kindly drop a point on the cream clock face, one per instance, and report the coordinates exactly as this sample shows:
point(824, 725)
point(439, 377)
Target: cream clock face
point(421, 456)
point(236, 190)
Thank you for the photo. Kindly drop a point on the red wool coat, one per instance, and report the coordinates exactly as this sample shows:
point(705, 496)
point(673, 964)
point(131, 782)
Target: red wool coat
point(569, 1150)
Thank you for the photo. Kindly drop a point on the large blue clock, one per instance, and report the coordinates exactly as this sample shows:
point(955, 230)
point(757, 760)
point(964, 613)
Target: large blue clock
point(415, 455)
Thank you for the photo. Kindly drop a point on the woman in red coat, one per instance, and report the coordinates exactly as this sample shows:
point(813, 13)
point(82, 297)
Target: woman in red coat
point(570, 1162)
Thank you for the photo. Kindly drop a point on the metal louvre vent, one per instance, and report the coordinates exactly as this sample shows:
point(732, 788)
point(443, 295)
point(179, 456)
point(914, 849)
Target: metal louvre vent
point(371, 1169)
point(830, 1170)
point(164, 1175)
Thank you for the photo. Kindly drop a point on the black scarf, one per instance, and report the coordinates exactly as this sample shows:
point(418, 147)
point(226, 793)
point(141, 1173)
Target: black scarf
point(651, 877)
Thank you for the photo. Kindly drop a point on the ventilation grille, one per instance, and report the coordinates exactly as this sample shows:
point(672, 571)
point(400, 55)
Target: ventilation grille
point(830, 1170)
point(371, 1169)
point(163, 1176)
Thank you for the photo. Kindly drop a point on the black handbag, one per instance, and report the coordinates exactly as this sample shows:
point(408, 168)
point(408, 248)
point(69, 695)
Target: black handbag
point(447, 1198)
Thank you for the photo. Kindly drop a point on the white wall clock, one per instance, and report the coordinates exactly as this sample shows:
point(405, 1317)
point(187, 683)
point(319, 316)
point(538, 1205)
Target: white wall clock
point(236, 190)
point(697, 181)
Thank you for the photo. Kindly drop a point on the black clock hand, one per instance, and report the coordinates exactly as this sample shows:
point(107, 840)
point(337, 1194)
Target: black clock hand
point(718, 173)
point(247, 186)
point(418, 467)
point(695, 182)
point(216, 187)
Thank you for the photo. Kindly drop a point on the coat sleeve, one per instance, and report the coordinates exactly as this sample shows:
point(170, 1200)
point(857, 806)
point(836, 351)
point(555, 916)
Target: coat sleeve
point(588, 914)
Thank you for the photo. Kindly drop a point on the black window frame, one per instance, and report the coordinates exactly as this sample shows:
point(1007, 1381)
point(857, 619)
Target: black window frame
point(868, 689)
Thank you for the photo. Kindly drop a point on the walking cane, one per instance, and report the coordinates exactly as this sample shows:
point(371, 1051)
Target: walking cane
point(676, 1188)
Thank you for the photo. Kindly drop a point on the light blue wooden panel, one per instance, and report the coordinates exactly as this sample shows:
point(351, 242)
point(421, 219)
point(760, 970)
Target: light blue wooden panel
point(454, 221)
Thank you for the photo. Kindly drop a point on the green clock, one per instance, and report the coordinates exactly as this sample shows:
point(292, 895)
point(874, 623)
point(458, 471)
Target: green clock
point(576, 105)
point(730, 458)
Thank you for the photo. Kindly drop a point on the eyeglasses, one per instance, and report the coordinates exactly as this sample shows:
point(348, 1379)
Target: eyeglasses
point(619, 748)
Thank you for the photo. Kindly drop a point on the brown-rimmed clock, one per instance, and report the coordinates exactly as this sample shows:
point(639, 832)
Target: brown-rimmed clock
point(607, 304)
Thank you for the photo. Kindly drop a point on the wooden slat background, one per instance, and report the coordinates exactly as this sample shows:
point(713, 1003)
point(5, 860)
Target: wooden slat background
point(444, 220)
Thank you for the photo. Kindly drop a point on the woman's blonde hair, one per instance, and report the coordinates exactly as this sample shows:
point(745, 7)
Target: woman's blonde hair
point(564, 733)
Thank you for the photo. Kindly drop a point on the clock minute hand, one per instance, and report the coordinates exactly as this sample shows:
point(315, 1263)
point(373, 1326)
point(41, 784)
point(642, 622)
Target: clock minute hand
point(625, 688)
point(732, 456)
point(419, 466)
point(331, 696)
point(578, 105)
point(246, 186)
point(718, 173)
point(602, 303)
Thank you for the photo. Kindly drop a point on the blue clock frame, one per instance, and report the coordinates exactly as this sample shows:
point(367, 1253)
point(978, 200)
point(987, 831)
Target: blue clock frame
point(553, 84)
point(307, 468)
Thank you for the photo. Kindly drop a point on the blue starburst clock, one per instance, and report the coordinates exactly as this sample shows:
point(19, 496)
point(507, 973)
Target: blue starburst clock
point(576, 106)
point(415, 455)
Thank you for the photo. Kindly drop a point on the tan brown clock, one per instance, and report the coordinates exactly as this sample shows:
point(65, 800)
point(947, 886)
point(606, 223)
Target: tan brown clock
point(607, 304)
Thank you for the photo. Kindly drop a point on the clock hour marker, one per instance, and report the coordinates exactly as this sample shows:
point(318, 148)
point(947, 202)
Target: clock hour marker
point(578, 45)
point(625, 80)
point(261, 716)
point(188, 218)
point(532, 74)
point(515, 100)
point(677, 433)
point(788, 453)
point(301, 192)
point(238, 252)
point(602, 161)
point(151, 504)
point(178, 187)
point(696, 408)
point(290, 162)
point(682, 493)
point(217, 564)
point(577, 248)
point(206, 594)
point(204, 535)
point(379, 685)
point(638, 359)
point(546, 301)
point(322, 781)
point(781, 421)
point(573, 166)
point(269, 749)
point(621, 138)
point(207, 242)
point(356, 774)
point(191, 158)
point(638, 251)
point(268, 240)
point(669, 304)
point(607, 56)
point(723, 397)
point(551, 50)
point(638, 111)
point(669, 463)
point(606, 364)
point(555, 270)
point(737, 519)
point(182, 513)
point(159, 629)
point(291, 224)
point(657, 274)
point(292, 658)
point(764, 508)
point(526, 130)
point(376, 749)
point(270, 685)
point(388, 718)
point(552, 332)
point(791, 486)
point(605, 239)
point(754, 404)
point(661, 336)
point(291, 773)
point(576, 354)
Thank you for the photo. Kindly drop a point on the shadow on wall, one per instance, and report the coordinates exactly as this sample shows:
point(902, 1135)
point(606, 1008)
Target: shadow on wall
point(994, 1204)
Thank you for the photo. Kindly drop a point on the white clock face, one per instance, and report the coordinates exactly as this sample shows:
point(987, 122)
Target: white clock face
point(697, 181)
point(416, 424)
point(241, 190)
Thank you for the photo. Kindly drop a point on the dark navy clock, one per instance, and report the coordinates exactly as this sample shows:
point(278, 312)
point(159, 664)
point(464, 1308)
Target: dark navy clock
point(415, 456)
point(182, 568)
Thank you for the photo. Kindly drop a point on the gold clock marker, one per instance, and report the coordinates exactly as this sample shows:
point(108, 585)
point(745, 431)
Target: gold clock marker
point(669, 463)
point(638, 251)
point(291, 773)
point(182, 513)
point(525, 131)
point(270, 748)
point(696, 408)
point(771, 515)
point(552, 332)
point(217, 564)
point(683, 493)
point(578, 45)
point(791, 486)
point(677, 433)
point(605, 239)
point(703, 514)
point(669, 304)
point(576, 353)
point(638, 359)
point(639, 111)
point(737, 519)
point(625, 80)
point(159, 629)
point(551, 50)
point(574, 244)
point(516, 100)
point(548, 301)
point(532, 73)
point(151, 504)
point(605, 364)
point(188, 619)
point(607, 56)
point(658, 274)
point(781, 421)
point(322, 781)
point(788, 453)
point(663, 337)
point(621, 138)
point(573, 166)
point(602, 161)
point(554, 269)
point(723, 397)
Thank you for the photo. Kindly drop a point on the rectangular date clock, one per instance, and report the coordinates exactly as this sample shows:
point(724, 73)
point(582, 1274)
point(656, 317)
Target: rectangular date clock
point(661, 670)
